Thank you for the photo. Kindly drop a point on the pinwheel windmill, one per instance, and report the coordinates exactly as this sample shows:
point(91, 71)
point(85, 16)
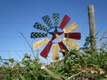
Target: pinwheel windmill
point(58, 30)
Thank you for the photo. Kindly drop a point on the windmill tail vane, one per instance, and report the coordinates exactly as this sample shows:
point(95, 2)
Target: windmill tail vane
point(58, 30)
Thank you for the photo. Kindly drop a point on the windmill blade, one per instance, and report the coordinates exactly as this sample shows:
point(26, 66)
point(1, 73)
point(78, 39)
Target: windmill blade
point(39, 26)
point(64, 22)
point(38, 35)
point(55, 52)
point(71, 43)
point(40, 43)
point(75, 35)
point(63, 47)
point(70, 28)
point(46, 50)
point(47, 20)
point(56, 19)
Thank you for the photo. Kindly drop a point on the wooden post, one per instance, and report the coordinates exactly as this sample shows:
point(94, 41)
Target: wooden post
point(92, 26)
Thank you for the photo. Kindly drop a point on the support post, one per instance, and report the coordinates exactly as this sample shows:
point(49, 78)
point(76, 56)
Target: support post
point(92, 26)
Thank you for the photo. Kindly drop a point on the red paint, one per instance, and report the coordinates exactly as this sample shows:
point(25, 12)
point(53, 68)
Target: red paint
point(75, 35)
point(63, 47)
point(46, 50)
point(64, 22)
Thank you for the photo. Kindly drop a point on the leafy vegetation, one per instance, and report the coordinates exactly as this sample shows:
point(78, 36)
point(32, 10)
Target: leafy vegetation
point(83, 64)
point(91, 65)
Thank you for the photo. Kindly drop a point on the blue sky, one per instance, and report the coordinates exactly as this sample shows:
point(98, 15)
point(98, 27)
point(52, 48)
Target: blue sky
point(20, 15)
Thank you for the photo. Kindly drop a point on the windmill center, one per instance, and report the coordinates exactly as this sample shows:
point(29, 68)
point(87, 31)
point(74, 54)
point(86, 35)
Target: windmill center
point(55, 34)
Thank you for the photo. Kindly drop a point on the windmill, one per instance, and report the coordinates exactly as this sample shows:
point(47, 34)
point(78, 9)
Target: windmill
point(55, 30)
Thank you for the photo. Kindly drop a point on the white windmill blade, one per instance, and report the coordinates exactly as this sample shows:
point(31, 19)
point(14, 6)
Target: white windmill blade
point(71, 43)
point(40, 43)
point(55, 52)
point(70, 28)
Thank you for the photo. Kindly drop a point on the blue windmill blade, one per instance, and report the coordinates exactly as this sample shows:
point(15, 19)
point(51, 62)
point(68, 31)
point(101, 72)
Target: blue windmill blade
point(56, 19)
point(38, 34)
point(39, 26)
point(47, 20)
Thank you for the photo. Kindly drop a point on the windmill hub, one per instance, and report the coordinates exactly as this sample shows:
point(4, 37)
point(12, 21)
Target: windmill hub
point(55, 34)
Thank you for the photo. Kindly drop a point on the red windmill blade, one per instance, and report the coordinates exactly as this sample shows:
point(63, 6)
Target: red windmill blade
point(75, 35)
point(64, 22)
point(46, 50)
point(63, 47)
